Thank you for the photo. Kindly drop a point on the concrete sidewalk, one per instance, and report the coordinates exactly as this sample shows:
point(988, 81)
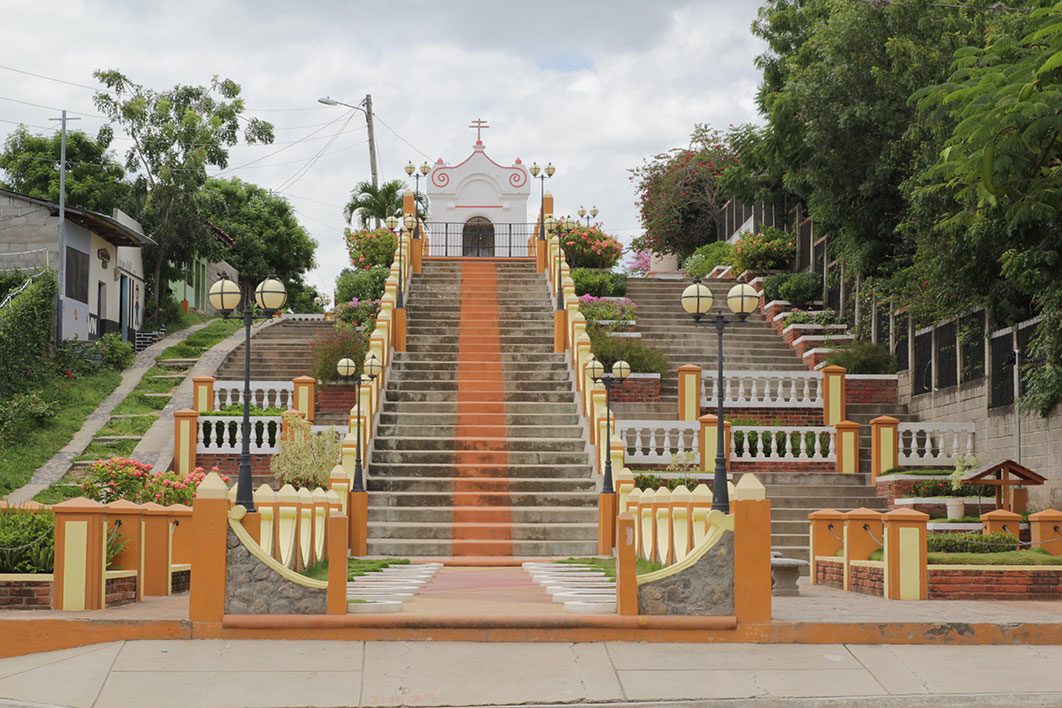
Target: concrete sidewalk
point(321, 673)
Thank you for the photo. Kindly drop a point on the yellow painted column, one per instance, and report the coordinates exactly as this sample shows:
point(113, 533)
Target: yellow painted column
point(826, 536)
point(285, 422)
point(1045, 531)
point(862, 533)
point(185, 427)
point(884, 445)
point(833, 395)
point(847, 446)
point(707, 439)
point(689, 392)
point(287, 521)
point(339, 482)
point(80, 547)
point(680, 522)
point(265, 502)
point(203, 393)
point(906, 573)
point(180, 517)
point(305, 396)
point(210, 522)
point(662, 525)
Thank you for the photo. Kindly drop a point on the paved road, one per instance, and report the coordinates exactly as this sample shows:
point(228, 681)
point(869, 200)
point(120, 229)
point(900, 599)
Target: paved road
point(220, 673)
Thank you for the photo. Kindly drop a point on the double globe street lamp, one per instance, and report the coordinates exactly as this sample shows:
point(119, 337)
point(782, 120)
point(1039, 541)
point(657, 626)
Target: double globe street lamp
point(582, 213)
point(225, 296)
point(620, 371)
point(347, 368)
point(546, 171)
point(742, 300)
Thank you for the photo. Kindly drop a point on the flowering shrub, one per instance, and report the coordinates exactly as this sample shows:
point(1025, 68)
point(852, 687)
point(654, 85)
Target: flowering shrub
point(707, 257)
point(328, 349)
point(769, 250)
point(640, 262)
point(619, 310)
point(370, 247)
point(590, 247)
point(122, 478)
point(821, 318)
point(305, 458)
point(360, 313)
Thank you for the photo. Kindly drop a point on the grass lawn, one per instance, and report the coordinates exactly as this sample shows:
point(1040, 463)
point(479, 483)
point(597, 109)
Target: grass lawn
point(1029, 556)
point(355, 567)
point(919, 473)
point(58, 493)
point(237, 409)
point(128, 426)
point(136, 404)
point(104, 450)
point(30, 448)
point(196, 343)
point(608, 565)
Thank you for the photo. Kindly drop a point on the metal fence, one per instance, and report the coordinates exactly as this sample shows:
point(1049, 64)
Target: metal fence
point(450, 239)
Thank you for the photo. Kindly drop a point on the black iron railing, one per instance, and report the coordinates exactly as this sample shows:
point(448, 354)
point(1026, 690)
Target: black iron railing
point(478, 239)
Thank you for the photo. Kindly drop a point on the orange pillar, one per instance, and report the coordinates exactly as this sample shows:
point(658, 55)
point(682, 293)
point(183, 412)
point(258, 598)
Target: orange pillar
point(305, 398)
point(708, 437)
point(862, 532)
point(752, 560)
point(826, 535)
point(689, 392)
point(400, 329)
point(906, 573)
point(833, 395)
point(884, 445)
point(185, 424)
point(359, 523)
point(606, 522)
point(1045, 531)
point(1000, 521)
point(336, 552)
point(80, 555)
point(158, 550)
point(180, 518)
point(846, 446)
point(626, 577)
point(560, 326)
point(211, 524)
point(203, 393)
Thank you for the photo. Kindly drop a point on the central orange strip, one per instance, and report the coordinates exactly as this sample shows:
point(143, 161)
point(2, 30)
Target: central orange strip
point(480, 447)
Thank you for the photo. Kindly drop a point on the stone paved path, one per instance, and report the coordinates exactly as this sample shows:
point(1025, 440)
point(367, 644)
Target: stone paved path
point(53, 470)
point(223, 673)
point(483, 592)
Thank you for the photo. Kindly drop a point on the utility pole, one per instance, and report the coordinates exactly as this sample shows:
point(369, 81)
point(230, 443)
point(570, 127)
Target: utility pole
point(372, 140)
point(62, 227)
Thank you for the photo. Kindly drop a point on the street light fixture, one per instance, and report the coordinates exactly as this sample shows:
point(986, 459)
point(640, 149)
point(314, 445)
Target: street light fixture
point(392, 224)
point(225, 296)
point(347, 368)
point(742, 300)
point(546, 172)
point(366, 108)
point(620, 371)
point(593, 215)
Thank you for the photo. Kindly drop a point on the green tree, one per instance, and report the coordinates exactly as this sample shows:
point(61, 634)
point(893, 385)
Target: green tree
point(267, 237)
point(94, 179)
point(371, 202)
point(678, 194)
point(176, 134)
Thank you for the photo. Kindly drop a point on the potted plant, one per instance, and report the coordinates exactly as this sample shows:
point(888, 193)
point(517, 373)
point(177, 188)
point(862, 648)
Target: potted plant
point(956, 506)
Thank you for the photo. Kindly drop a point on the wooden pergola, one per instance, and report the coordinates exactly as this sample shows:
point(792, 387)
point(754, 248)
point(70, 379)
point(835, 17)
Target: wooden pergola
point(998, 475)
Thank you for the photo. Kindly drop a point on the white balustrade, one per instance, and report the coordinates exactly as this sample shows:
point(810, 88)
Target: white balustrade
point(264, 394)
point(778, 443)
point(220, 434)
point(764, 389)
point(928, 444)
point(657, 441)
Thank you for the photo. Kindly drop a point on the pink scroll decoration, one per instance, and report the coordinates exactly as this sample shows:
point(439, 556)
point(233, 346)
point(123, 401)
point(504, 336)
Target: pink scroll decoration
point(440, 178)
point(518, 178)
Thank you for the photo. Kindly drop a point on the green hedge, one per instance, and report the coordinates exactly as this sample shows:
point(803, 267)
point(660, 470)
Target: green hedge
point(27, 541)
point(26, 334)
point(971, 542)
point(599, 282)
point(642, 358)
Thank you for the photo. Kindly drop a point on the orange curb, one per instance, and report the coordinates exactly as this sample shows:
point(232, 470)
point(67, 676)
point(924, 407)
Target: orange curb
point(426, 622)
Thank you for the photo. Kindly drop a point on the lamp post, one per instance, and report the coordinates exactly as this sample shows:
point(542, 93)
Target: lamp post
point(593, 215)
point(620, 371)
point(225, 297)
point(546, 172)
point(392, 224)
point(347, 368)
point(568, 225)
point(742, 300)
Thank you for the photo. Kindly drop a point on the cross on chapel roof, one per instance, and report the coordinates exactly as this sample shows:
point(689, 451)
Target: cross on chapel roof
point(479, 124)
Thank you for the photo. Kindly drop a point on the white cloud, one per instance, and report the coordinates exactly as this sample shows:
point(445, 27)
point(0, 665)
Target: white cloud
point(593, 86)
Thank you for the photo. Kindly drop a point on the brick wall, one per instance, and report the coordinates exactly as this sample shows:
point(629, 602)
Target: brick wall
point(866, 580)
point(772, 416)
point(642, 388)
point(977, 584)
point(180, 581)
point(120, 591)
point(25, 594)
point(829, 573)
point(336, 398)
point(757, 466)
point(893, 489)
point(860, 390)
point(229, 464)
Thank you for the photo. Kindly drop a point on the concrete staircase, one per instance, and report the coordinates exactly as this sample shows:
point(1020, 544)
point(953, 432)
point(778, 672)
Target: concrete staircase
point(480, 449)
point(752, 344)
point(279, 352)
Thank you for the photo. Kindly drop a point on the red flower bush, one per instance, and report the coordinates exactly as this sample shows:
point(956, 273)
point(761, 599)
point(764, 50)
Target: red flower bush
point(122, 478)
point(590, 247)
point(370, 247)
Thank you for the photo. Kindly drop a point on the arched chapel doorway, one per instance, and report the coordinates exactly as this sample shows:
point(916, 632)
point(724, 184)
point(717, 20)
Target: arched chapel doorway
point(477, 237)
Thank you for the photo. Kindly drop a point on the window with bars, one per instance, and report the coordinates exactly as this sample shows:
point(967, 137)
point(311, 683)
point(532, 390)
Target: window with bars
point(1001, 369)
point(947, 355)
point(77, 275)
point(899, 349)
point(922, 366)
point(972, 346)
point(1025, 335)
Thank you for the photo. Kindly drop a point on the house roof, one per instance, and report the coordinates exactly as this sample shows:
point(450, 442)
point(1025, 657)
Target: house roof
point(108, 228)
point(988, 474)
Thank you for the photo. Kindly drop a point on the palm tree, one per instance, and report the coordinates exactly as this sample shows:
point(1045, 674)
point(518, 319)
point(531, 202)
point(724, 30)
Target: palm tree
point(371, 202)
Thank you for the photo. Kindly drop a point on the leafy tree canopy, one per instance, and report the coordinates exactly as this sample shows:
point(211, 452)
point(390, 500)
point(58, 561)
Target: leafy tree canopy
point(371, 202)
point(94, 179)
point(268, 238)
point(176, 134)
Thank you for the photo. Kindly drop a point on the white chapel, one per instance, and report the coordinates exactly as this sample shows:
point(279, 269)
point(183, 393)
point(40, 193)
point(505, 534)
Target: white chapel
point(478, 207)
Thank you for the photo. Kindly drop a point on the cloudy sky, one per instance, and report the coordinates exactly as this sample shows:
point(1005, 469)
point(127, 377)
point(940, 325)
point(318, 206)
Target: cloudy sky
point(593, 86)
